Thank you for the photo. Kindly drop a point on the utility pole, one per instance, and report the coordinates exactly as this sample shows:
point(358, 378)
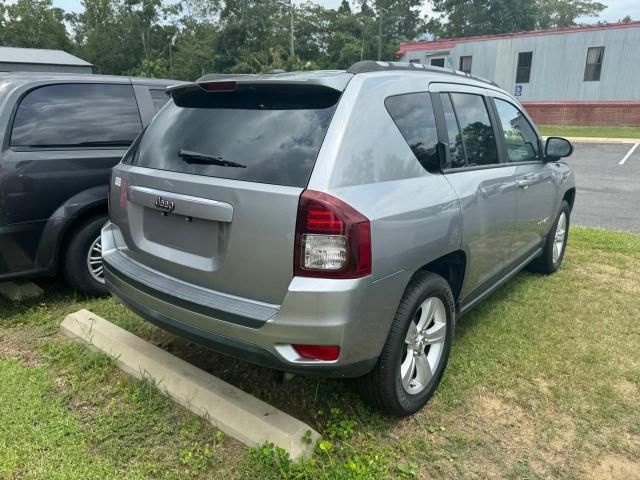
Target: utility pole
point(379, 31)
point(292, 49)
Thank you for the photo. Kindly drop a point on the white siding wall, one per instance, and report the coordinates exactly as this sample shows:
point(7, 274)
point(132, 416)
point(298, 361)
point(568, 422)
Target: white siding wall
point(558, 64)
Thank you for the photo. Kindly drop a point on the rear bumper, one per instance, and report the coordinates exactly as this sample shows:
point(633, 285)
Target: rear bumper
point(237, 348)
point(352, 314)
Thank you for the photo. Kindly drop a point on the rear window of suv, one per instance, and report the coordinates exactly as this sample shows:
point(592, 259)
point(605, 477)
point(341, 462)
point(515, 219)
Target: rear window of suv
point(269, 134)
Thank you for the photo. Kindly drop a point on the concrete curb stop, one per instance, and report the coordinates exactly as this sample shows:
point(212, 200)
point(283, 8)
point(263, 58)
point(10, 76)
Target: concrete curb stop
point(20, 291)
point(228, 408)
point(607, 140)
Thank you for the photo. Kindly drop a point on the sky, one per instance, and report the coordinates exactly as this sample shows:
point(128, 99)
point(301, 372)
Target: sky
point(616, 9)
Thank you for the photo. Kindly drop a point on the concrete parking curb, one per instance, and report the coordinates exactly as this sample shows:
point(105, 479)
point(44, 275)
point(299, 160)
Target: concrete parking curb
point(602, 140)
point(233, 411)
point(20, 291)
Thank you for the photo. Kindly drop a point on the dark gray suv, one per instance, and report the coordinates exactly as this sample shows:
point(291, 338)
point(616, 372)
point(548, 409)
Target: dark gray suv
point(335, 223)
point(60, 135)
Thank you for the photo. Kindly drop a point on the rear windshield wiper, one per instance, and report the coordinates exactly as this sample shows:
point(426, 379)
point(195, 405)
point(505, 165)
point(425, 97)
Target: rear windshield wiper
point(204, 159)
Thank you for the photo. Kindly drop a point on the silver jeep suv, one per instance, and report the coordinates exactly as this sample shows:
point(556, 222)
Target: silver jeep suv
point(334, 223)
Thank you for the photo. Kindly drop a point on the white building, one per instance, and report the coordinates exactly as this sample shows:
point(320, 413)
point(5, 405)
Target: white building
point(14, 59)
point(588, 72)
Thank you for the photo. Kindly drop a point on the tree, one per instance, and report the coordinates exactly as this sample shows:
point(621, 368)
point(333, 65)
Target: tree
point(563, 13)
point(481, 17)
point(119, 36)
point(33, 24)
point(98, 37)
point(388, 22)
point(186, 39)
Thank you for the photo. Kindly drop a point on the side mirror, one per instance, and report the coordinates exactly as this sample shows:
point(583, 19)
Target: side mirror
point(556, 148)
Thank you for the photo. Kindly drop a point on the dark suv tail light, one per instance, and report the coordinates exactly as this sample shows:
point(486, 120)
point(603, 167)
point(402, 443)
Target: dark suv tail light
point(332, 239)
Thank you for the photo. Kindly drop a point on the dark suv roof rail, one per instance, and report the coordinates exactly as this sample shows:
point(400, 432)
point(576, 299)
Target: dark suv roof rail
point(366, 66)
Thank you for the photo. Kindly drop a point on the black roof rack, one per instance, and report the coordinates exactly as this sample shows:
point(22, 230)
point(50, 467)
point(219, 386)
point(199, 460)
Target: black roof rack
point(366, 66)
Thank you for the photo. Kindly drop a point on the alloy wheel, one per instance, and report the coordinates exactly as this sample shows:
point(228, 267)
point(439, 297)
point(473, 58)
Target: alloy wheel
point(94, 261)
point(424, 345)
point(560, 236)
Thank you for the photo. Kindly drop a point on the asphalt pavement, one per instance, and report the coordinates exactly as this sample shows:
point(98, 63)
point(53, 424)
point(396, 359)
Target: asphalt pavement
point(607, 186)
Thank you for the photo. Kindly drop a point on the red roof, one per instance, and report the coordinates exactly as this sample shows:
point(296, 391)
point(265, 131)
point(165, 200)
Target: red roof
point(449, 43)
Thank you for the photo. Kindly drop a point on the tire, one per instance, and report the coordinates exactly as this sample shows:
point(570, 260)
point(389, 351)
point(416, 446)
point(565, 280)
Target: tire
point(75, 259)
point(553, 252)
point(383, 388)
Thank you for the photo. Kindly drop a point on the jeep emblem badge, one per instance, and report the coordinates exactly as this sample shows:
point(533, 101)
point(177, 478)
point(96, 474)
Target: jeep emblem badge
point(166, 205)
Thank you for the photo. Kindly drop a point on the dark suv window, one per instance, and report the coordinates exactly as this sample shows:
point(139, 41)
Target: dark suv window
point(475, 127)
point(77, 115)
point(258, 134)
point(413, 114)
point(159, 98)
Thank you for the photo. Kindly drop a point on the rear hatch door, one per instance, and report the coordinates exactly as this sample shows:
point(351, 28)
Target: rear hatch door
point(209, 194)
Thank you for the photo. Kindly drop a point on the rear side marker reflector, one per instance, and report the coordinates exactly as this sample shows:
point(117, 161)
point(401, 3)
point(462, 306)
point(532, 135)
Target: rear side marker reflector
point(318, 352)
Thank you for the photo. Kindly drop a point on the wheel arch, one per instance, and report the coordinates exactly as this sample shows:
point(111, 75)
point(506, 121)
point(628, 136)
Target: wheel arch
point(72, 213)
point(76, 222)
point(570, 196)
point(452, 267)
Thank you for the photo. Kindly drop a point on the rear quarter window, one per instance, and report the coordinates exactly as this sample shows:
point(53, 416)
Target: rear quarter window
point(77, 115)
point(413, 115)
point(270, 135)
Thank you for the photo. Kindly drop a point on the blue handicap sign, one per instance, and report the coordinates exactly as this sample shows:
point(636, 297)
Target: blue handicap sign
point(518, 90)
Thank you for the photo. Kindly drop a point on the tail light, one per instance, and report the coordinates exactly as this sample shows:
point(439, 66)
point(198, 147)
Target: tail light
point(332, 239)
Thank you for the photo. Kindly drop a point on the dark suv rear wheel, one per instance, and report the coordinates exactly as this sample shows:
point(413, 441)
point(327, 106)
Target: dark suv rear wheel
point(415, 354)
point(82, 267)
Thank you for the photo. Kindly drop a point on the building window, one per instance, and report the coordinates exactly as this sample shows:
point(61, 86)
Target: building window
point(592, 70)
point(437, 62)
point(465, 64)
point(524, 67)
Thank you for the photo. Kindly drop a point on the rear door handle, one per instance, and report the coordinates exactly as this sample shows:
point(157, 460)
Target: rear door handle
point(524, 183)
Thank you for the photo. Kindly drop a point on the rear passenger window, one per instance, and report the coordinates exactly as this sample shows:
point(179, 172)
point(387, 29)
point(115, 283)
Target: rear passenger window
point(159, 98)
point(414, 117)
point(520, 138)
point(477, 133)
point(77, 115)
point(456, 151)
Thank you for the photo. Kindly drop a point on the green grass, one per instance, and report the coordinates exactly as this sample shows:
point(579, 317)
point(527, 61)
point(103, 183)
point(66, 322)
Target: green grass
point(543, 382)
point(589, 131)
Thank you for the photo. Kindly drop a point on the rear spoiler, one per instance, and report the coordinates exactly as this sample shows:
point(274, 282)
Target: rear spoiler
point(335, 80)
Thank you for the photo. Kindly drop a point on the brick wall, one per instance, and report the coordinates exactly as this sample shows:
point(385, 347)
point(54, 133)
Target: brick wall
point(585, 113)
